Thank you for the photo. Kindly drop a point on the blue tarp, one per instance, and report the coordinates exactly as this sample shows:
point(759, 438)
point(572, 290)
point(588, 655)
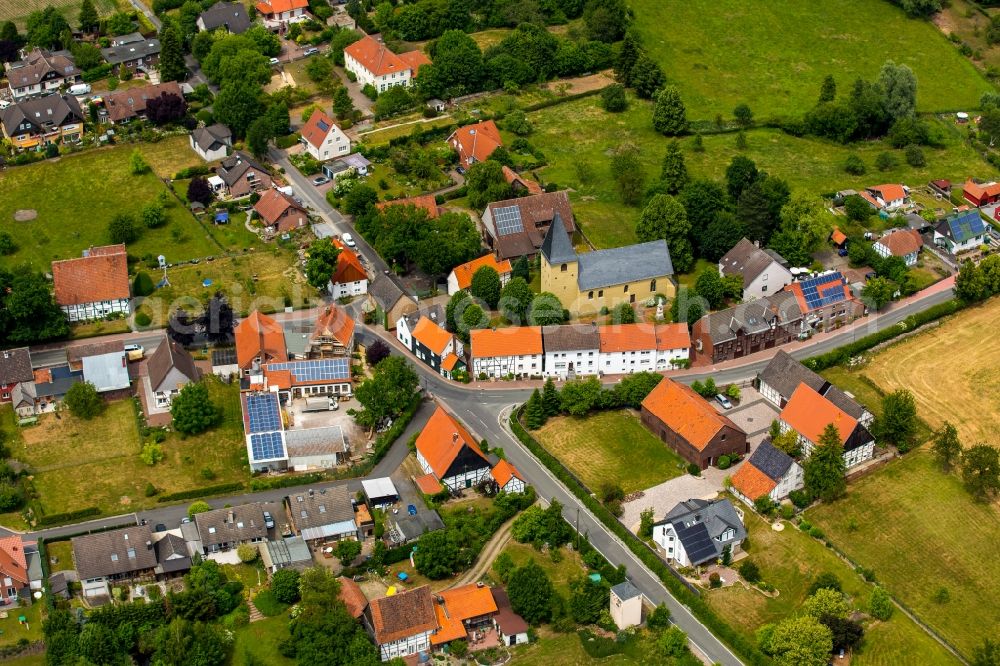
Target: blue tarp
point(222, 217)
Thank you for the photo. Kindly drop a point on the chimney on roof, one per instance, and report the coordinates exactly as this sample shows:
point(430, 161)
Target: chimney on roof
point(454, 437)
point(232, 516)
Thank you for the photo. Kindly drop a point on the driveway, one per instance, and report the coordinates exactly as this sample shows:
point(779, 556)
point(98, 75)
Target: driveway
point(361, 101)
point(754, 414)
point(666, 495)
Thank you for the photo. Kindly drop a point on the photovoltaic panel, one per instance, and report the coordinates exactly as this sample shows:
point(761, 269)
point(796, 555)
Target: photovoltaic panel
point(326, 369)
point(263, 413)
point(508, 220)
point(267, 446)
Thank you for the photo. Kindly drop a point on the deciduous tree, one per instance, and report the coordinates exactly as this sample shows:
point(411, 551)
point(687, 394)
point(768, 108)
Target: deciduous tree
point(83, 401)
point(530, 592)
point(879, 604)
point(673, 172)
point(827, 601)
point(899, 84)
point(515, 299)
point(669, 114)
point(877, 292)
point(192, 410)
point(946, 446)
point(709, 286)
point(800, 641)
point(981, 471)
point(898, 423)
point(628, 173)
point(436, 555)
point(321, 263)
point(386, 393)
point(486, 285)
point(664, 217)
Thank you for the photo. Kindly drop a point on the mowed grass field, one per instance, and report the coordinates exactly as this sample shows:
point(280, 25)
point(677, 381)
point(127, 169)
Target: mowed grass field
point(75, 198)
point(809, 165)
point(79, 463)
point(774, 55)
point(18, 10)
point(610, 447)
point(790, 560)
point(919, 530)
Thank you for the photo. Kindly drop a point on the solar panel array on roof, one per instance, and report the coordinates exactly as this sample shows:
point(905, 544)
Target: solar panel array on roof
point(508, 220)
point(326, 369)
point(816, 298)
point(322, 125)
point(697, 542)
point(263, 412)
point(267, 446)
point(966, 226)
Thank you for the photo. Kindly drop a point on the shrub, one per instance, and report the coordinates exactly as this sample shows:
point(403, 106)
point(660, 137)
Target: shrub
point(247, 553)
point(886, 161)
point(207, 473)
point(866, 573)
point(915, 156)
point(854, 165)
point(142, 285)
point(142, 319)
point(714, 580)
point(805, 526)
point(750, 571)
point(816, 533)
point(197, 507)
point(724, 462)
point(693, 469)
point(799, 498)
point(787, 511)
point(613, 98)
point(150, 489)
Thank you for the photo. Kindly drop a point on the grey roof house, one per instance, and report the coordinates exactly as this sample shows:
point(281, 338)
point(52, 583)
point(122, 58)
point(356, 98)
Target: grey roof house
point(747, 328)
point(783, 374)
point(223, 529)
point(388, 301)
point(15, 369)
point(241, 176)
point(230, 16)
point(768, 472)
point(289, 553)
point(171, 555)
point(517, 227)
point(169, 368)
point(141, 53)
point(697, 531)
point(325, 515)
point(107, 372)
point(763, 271)
point(41, 72)
point(114, 555)
point(212, 142)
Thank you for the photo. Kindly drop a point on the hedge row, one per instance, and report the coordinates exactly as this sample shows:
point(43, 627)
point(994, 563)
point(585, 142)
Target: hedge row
point(286, 481)
point(743, 647)
point(67, 517)
point(555, 101)
point(843, 354)
point(197, 493)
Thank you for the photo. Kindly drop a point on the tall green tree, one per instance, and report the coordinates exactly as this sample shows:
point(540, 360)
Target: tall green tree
point(800, 641)
point(880, 604)
point(740, 174)
point(192, 410)
point(172, 67)
point(456, 306)
point(664, 217)
point(386, 393)
point(981, 471)
point(878, 292)
point(710, 287)
point(587, 599)
point(824, 468)
point(628, 173)
point(669, 113)
point(447, 241)
point(485, 183)
point(531, 592)
point(899, 84)
point(258, 135)
point(646, 77)
point(970, 284)
point(237, 105)
point(673, 172)
point(89, 20)
point(946, 446)
point(898, 423)
point(629, 54)
point(534, 411)
point(486, 285)
point(29, 314)
point(436, 555)
point(83, 401)
point(550, 398)
point(515, 299)
point(321, 263)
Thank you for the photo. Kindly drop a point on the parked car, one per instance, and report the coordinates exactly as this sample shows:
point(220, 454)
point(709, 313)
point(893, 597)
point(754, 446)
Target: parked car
point(275, 61)
point(411, 509)
point(268, 520)
point(349, 240)
point(460, 169)
point(724, 401)
point(310, 51)
point(320, 180)
point(185, 520)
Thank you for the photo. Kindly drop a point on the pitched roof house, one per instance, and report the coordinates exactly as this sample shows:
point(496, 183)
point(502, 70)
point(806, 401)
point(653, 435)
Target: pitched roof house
point(516, 227)
point(323, 515)
point(888, 197)
point(137, 53)
point(352, 596)
point(371, 61)
point(323, 138)
point(349, 277)
point(241, 176)
point(229, 16)
point(222, 529)
point(571, 350)
point(425, 202)
point(332, 335)
point(519, 183)
point(15, 368)
point(279, 212)
point(507, 478)
point(401, 625)
point(783, 374)
point(259, 340)
point(475, 142)
point(639, 347)
point(697, 531)
point(507, 351)
point(172, 555)
point(690, 425)
point(903, 243)
point(460, 277)
point(826, 301)
point(169, 368)
point(460, 610)
point(277, 12)
point(33, 123)
point(981, 194)
point(93, 286)
point(768, 472)
point(212, 142)
point(511, 627)
point(423, 335)
point(13, 570)
point(41, 72)
point(960, 233)
point(447, 450)
point(808, 413)
point(124, 106)
point(747, 328)
point(763, 271)
point(388, 301)
point(115, 555)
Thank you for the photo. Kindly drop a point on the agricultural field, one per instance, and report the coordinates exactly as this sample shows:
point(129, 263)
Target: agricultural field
point(600, 449)
point(18, 10)
point(809, 165)
point(76, 196)
point(773, 56)
point(74, 469)
point(921, 532)
point(790, 560)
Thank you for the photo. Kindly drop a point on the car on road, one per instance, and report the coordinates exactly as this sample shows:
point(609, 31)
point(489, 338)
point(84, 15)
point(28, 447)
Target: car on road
point(349, 240)
point(460, 169)
point(275, 61)
point(411, 509)
point(724, 401)
point(320, 180)
point(185, 520)
point(311, 51)
point(268, 520)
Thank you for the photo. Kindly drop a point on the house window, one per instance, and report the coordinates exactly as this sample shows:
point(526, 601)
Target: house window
point(652, 284)
point(626, 289)
point(763, 288)
point(600, 293)
point(562, 268)
point(590, 295)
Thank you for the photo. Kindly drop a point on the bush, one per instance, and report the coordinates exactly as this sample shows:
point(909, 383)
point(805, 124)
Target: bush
point(285, 585)
point(816, 533)
point(142, 319)
point(613, 98)
point(750, 571)
point(787, 511)
point(693, 469)
point(915, 156)
point(724, 462)
point(206, 491)
point(247, 553)
point(805, 526)
point(714, 580)
point(800, 498)
point(68, 516)
point(854, 165)
point(150, 489)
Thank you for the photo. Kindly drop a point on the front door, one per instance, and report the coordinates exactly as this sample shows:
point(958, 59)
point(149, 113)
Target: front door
point(468, 483)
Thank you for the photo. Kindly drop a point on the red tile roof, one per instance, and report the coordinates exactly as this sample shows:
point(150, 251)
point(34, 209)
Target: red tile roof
point(374, 56)
point(352, 596)
point(442, 439)
point(870, 199)
point(12, 561)
point(503, 472)
point(838, 237)
point(686, 413)
point(449, 362)
point(317, 128)
point(478, 141)
point(274, 204)
point(980, 190)
point(889, 192)
point(259, 334)
point(431, 335)
point(333, 322)
point(414, 60)
point(902, 242)
point(280, 6)
point(402, 615)
point(627, 337)
point(130, 102)
point(808, 413)
point(424, 201)
point(513, 341)
point(428, 484)
point(751, 482)
point(458, 605)
point(464, 272)
point(513, 177)
point(672, 336)
point(349, 268)
point(102, 276)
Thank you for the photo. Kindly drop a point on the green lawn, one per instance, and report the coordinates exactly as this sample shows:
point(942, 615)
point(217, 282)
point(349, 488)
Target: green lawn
point(918, 529)
point(790, 560)
point(257, 643)
point(11, 631)
point(604, 446)
point(774, 55)
point(79, 463)
point(18, 10)
point(380, 136)
point(75, 198)
point(552, 649)
point(170, 155)
point(560, 573)
point(62, 553)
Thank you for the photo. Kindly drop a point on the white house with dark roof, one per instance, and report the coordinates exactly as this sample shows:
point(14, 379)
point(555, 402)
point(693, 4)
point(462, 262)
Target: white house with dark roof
point(169, 368)
point(571, 351)
point(41, 72)
point(763, 271)
point(212, 142)
point(15, 369)
point(319, 516)
point(769, 472)
point(696, 531)
point(961, 233)
point(783, 374)
point(223, 529)
point(229, 16)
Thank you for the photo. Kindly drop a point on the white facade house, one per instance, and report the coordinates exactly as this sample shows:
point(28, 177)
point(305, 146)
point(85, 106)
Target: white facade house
point(211, 143)
point(507, 478)
point(349, 277)
point(763, 271)
point(323, 139)
point(697, 531)
point(571, 351)
point(507, 351)
point(93, 286)
point(374, 64)
point(41, 73)
point(641, 347)
point(808, 413)
point(448, 452)
point(902, 243)
point(769, 471)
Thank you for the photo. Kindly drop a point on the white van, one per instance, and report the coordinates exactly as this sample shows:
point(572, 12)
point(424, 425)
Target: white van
point(79, 89)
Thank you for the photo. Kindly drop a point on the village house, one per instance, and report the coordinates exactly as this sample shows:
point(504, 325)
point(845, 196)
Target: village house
point(46, 392)
point(446, 450)
point(169, 368)
point(961, 233)
point(332, 335)
point(689, 425)
point(519, 183)
point(769, 472)
point(463, 612)
point(93, 286)
point(425, 202)
point(323, 139)
point(981, 194)
point(889, 197)
point(13, 571)
point(41, 72)
point(172, 556)
point(511, 627)
point(503, 352)
point(108, 373)
point(277, 14)
point(783, 374)
point(374, 64)
point(697, 531)
point(422, 333)
point(747, 328)
point(104, 557)
point(460, 277)
point(124, 106)
point(272, 447)
point(212, 142)
point(240, 176)
point(808, 414)
point(286, 553)
point(355, 163)
point(322, 516)
point(475, 142)
point(224, 529)
point(387, 302)
point(516, 227)
point(625, 605)
point(640, 347)
point(349, 277)
point(15, 369)
point(352, 596)
point(313, 377)
point(279, 212)
point(903, 243)
point(133, 53)
point(571, 350)
point(259, 340)
point(32, 124)
point(588, 283)
point(507, 478)
point(826, 301)
point(229, 16)
point(401, 625)
point(764, 272)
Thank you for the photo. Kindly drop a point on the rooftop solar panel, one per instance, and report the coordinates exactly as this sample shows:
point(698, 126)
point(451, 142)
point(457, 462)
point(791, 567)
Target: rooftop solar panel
point(263, 413)
point(267, 446)
point(508, 220)
point(327, 369)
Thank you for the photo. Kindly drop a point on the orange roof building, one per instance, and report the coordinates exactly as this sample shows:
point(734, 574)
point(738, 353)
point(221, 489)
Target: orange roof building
point(323, 138)
point(281, 11)
point(519, 183)
point(768, 472)
point(14, 566)
point(460, 609)
point(639, 347)
point(890, 196)
point(691, 425)
point(427, 339)
point(476, 142)
point(903, 243)
point(280, 212)
point(402, 624)
point(808, 413)
point(349, 277)
point(352, 596)
point(981, 194)
point(93, 286)
point(501, 352)
point(259, 340)
point(507, 478)
point(374, 64)
point(447, 450)
point(460, 277)
point(333, 334)
point(425, 202)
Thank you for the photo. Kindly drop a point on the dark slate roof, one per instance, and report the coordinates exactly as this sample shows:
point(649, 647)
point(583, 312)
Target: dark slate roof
point(433, 312)
point(858, 437)
point(229, 15)
point(324, 507)
point(62, 379)
point(699, 521)
point(535, 213)
point(116, 55)
point(784, 374)
point(233, 167)
point(116, 552)
point(557, 245)
point(571, 337)
point(247, 523)
point(47, 111)
point(170, 355)
point(770, 460)
point(697, 543)
point(15, 366)
point(604, 268)
point(748, 260)
point(412, 527)
point(172, 554)
point(385, 292)
point(752, 317)
point(626, 590)
point(213, 136)
point(224, 357)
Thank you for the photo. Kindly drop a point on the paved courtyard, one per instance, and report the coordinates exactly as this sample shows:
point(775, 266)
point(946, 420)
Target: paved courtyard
point(665, 496)
point(754, 414)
